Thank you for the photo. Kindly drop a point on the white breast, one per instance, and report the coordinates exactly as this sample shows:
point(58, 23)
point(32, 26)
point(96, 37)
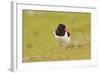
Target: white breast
point(64, 39)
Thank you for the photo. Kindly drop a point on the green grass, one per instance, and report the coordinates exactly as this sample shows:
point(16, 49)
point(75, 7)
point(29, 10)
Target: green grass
point(39, 43)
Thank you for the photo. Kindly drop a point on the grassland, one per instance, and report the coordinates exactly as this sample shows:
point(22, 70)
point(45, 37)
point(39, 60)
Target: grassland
point(39, 43)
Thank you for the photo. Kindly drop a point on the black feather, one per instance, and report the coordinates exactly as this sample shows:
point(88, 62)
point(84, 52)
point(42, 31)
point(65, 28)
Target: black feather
point(68, 34)
point(60, 30)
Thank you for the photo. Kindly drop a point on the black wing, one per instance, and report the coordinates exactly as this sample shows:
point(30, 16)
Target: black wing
point(68, 34)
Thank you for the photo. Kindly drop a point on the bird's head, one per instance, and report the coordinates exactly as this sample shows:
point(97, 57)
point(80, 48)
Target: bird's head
point(61, 27)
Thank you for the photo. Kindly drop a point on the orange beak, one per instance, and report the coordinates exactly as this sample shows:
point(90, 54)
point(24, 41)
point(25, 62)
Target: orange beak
point(65, 29)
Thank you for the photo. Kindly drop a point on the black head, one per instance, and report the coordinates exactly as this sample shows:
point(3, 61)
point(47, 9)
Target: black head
point(60, 31)
point(61, 27)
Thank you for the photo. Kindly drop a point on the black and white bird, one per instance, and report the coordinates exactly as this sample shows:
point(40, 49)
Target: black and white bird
point(62, 35)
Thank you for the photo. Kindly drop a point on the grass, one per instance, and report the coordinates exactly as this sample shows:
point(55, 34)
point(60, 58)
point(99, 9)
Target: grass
point(39, 43)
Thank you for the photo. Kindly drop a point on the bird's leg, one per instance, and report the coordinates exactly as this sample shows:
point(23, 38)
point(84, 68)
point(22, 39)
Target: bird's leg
point(62, 45)
point(67, 46)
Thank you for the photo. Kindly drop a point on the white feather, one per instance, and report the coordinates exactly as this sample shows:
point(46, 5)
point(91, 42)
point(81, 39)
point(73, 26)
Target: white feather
point(65, 40)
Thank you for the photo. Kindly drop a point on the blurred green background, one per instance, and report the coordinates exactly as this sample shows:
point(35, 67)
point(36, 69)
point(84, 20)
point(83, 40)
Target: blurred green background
point(39, 43)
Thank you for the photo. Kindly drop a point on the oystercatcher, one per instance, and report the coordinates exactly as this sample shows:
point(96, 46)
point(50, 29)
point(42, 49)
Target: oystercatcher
point(62, 35)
